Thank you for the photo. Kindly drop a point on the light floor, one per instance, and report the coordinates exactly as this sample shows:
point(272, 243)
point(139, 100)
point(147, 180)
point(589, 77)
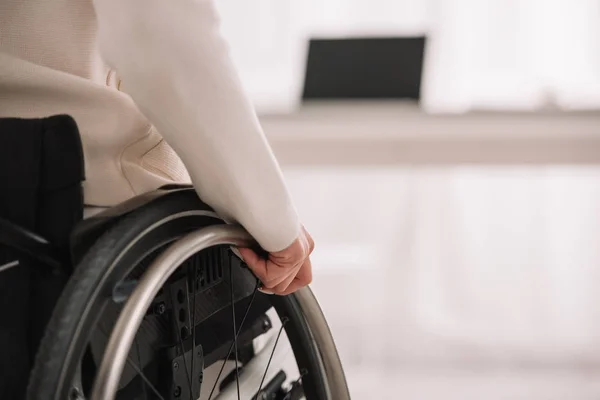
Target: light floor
point(456, 281)
point(493, 297)
point(464, 384)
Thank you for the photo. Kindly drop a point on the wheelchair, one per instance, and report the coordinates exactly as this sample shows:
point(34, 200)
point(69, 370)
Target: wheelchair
point(159, 306)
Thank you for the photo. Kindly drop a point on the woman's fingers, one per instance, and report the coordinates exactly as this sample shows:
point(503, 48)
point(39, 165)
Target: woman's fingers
point(281, 287)
point(250, 256)
point(296, 285)
point(256, 264)
point(266, 271)
point(285, 271)
point(303, 278)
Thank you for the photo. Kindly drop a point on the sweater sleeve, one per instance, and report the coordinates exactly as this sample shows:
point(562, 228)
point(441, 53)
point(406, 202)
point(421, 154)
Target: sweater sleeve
point(175, 65)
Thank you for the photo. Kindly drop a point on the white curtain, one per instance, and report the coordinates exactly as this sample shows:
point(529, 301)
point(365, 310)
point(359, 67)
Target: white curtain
point(513, 55)
point(269, 45)
point(455, 265)
point(368, 18)
point(507, 262)
point(269, 38)
point(490, 54)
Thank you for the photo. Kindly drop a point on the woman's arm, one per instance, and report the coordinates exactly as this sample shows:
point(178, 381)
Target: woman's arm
point(174, 63)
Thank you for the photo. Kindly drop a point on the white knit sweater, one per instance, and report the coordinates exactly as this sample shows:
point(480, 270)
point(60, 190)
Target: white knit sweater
point(129, 69)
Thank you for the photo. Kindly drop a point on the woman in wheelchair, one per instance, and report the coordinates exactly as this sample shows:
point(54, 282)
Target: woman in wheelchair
point(147, 298)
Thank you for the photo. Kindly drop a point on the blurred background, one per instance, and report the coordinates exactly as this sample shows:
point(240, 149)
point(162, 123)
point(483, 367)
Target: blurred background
point(445, 155)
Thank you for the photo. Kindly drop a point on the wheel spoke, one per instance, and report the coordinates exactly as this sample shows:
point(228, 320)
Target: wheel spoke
point(136, 368)
point(193, 319)
point(137, 349)
point(237, 370)
point(283, 322)
point(144, 378)
point(235, 339)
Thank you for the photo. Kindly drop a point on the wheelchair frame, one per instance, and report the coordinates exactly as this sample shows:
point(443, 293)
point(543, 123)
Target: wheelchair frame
point(306, 312)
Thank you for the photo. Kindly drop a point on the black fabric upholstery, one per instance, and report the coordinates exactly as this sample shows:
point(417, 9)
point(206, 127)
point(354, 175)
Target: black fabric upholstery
point(41, 170)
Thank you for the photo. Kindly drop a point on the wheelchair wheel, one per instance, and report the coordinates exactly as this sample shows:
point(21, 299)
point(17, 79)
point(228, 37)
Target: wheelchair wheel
point(200, 313)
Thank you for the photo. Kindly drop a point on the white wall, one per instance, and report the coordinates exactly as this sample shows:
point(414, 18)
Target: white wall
point(347, 18)
point(269, 38)
point(494, 54)
point(513, 55)
point(269, 45)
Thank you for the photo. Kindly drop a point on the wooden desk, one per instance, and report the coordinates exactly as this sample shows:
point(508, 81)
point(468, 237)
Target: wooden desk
point(389, 133)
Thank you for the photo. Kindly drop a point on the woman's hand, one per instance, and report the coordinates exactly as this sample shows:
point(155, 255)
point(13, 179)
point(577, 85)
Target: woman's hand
point(285, 271)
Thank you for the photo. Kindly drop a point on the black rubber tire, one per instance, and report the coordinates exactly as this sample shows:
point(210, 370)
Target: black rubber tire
point(113, 256)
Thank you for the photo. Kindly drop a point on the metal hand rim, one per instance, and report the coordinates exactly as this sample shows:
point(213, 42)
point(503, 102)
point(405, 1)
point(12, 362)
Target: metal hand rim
point(132, 315)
